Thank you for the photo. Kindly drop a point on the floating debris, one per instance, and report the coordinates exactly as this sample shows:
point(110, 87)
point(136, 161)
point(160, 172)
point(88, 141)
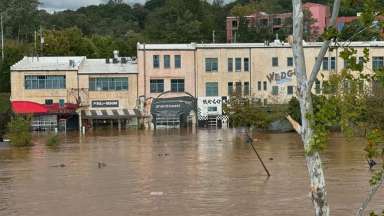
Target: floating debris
point(59, 166)
point(157, 193)
point(101, 164)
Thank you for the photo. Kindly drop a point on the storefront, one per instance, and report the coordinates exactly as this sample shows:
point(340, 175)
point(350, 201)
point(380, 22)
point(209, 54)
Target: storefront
point(210, 112)
point(173, 112)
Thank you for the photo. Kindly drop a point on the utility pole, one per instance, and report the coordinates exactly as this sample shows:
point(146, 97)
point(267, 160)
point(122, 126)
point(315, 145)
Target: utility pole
point(213, 36)
point(35, 50)
point(41, 41)
point(2, 37)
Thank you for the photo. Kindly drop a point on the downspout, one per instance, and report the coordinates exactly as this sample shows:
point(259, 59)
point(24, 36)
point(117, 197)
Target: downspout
point(250, 71)
point(195, 71)
point(145, 73)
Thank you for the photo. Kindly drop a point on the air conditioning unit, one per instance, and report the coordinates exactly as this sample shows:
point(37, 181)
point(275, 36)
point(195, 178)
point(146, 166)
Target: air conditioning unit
point(107, 60)
point(123, 60)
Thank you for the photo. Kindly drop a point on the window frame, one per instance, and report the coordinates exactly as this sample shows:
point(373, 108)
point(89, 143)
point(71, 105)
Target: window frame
point(156, 61)
point(177, 85)
point(211, 65)
point(167, 61)
point(177, 61)
point(159, 85)
point(213, 84)
point(275, 61)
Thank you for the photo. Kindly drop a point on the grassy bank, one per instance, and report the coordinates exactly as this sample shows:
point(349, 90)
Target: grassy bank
point(5, 104)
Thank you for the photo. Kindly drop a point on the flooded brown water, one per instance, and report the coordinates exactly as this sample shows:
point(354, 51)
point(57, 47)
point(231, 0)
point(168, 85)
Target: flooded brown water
point(172, 173)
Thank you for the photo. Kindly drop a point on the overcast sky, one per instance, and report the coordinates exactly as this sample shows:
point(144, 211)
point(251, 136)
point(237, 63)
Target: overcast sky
point(57, 5)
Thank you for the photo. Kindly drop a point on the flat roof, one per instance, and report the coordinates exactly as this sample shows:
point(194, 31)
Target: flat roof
point(194, 46)
point(58, 63)
point(99, 66)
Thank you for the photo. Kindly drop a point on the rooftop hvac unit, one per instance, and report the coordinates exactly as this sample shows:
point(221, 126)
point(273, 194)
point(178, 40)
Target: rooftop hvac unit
point(115, 61)
point(123, 60)
point(72, 63)
point(107, 61)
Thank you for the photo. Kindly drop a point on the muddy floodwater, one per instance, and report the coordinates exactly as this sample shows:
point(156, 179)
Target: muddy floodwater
point(176, 173)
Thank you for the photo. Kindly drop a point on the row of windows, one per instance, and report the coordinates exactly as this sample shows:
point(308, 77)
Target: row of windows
point(238, 64)
point(275, 90)
point(44, 82)
point(275, 61)
point(238, 89)
point(157, 85)
point(211, 64)
point(166, 61)
point(108, 84)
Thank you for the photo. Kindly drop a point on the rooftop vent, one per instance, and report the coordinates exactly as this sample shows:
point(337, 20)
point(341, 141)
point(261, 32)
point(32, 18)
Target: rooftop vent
point(71, 63)
point(123, 60)
point(107, 61)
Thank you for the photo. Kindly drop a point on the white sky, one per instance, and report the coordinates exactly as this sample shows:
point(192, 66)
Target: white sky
point(57, 5)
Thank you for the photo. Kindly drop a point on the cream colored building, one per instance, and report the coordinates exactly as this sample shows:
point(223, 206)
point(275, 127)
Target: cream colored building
point(77, 90)
point(261, 71)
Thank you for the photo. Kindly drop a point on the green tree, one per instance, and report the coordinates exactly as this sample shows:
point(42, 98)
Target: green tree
point(19, 131)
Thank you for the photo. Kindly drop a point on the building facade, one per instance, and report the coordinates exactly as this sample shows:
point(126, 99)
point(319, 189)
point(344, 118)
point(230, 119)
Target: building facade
point(261, 71)
point(71, 92)
point(320, 13)
point(60, 91)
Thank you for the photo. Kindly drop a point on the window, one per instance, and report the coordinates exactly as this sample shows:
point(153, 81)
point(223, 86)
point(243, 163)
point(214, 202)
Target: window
point(177, 85)
point(48, 102)
point(177, 61)
point(211, 89)
point(325, 63)
point(333, 63)
point(156, 61)
point(317, 86)
point(290, 90)
point(275, 90)
point(259, 85)
point(238, 64)
point(108, 84)
point(246, 88)
point(361, 60)
point(275, 61)
point(265, 85)
point(167, 61)
point(211, 64)
point(238, 88)
point(44, 82)
point(212, 109)
point(289, 61)
point(230, 64)
point(61, 103)
point(246, 64)
point(377, 63)
point(157, 85)
point(230, 88)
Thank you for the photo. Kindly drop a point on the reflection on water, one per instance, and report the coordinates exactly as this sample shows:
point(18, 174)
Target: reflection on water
point(176, 172)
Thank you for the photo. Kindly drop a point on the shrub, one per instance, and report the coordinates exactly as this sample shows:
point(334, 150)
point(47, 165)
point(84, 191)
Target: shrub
point(18, 131)
point(53, 140)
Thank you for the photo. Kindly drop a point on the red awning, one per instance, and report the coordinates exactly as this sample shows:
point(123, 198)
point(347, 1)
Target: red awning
point(28, 107)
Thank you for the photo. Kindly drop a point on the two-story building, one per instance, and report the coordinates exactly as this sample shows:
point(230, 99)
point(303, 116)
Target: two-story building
point(70, 92)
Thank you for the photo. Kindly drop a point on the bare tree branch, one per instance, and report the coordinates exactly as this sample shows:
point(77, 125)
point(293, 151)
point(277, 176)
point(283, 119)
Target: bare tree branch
point(371, 194)
point(294, 124)
point(324, 47)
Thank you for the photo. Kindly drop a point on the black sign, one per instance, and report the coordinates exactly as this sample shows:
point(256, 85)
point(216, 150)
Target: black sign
point(105, 103)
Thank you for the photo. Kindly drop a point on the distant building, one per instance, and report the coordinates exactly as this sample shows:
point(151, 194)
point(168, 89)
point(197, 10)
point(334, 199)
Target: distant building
point(275, 22)
point(68, 92)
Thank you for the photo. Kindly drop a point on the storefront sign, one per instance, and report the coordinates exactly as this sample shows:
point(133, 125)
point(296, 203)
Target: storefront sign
point(210, 106)
point(105, 103)
point(281, 77)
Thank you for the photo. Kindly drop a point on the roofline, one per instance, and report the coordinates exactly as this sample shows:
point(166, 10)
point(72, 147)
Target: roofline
point(194, 46)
